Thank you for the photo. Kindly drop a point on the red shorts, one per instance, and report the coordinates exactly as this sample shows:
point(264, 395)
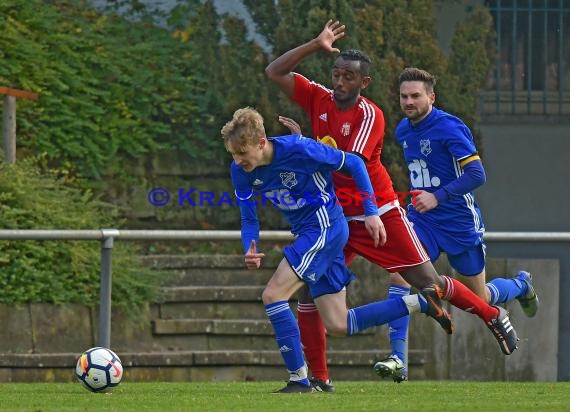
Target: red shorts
point(401, 251)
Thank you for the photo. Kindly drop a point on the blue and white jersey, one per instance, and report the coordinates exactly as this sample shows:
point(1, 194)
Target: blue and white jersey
point(298, 181)
point(433, 150)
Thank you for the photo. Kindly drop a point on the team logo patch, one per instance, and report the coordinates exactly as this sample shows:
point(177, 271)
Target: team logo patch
point(345, 130)
point(288, 179)
point(425, 147)
point(329, 141)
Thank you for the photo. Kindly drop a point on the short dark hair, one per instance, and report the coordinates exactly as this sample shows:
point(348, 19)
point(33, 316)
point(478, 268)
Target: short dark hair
point(413, 74)
point(357, 55)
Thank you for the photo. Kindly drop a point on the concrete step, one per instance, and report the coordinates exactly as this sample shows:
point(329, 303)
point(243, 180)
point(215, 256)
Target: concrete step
point(212, 294)
point(198, 358)
point(237, 276)
point(218, 327)
point(209, 310)
point(212, 326)
point(169, 262)
point(199, 366)
point(183, 342)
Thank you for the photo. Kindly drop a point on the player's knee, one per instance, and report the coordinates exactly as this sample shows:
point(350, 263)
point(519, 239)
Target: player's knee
point(422, 275)
point(269, 295)
point(336, 328)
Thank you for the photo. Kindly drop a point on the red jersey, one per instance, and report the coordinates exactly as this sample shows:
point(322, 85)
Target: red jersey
point(358, 130)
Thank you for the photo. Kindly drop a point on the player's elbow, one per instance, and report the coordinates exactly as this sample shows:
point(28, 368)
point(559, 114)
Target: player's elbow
point(482, 177)
point(270, 72)
point(476, 174)
point(479, 177)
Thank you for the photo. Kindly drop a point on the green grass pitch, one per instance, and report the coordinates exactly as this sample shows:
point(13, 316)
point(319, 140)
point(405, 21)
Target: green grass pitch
point(255, 396)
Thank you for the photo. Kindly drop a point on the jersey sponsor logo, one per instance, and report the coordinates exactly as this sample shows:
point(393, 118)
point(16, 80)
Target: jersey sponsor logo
point(345, 129)
point(420, 176)
point(323, 117)
point(329, 141)
point(425, 147)
point(288, 179)
point(257, 182)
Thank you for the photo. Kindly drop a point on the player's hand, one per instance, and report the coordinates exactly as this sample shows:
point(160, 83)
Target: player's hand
point(423, 201)
point(332, 31)
point(376, 230)
point(290, 124)
point(252, 258)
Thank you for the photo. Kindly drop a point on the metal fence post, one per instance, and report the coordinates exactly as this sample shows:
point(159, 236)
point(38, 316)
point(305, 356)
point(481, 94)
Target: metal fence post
point(106, 282)
point(9, 119)
point(9, 129)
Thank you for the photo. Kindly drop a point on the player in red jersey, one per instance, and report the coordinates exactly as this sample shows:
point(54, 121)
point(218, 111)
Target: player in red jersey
point(351, 122)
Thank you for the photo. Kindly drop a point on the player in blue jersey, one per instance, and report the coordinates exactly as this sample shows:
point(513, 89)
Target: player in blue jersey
point(295, 174)
point(445, 169)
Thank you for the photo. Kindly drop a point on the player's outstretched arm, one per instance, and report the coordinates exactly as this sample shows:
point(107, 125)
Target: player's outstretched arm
point(280, 70)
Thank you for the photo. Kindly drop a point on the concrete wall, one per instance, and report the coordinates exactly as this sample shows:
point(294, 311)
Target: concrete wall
point(40, 342)
point(528, 173)
point(526, 161)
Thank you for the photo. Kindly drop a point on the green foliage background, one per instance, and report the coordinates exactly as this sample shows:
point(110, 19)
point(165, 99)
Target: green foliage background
point(33, 197)
point(119, 90)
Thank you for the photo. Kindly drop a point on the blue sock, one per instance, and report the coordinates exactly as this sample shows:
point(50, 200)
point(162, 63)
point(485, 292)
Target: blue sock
point(375, 314)
point(398, 328)
point(423, 303)
point(288, 339)
point(503, 290)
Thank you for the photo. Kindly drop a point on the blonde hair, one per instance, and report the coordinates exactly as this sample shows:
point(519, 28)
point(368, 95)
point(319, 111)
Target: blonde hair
point(245, 128)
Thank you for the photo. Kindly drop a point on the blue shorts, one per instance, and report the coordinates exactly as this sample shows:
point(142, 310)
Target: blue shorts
point(317, 257)
point(468, 260)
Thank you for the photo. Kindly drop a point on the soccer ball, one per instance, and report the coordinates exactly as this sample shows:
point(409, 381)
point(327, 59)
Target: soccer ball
point(99, 369)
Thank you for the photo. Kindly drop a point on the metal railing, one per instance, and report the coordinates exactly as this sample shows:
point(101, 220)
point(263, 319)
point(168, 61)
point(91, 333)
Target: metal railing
point(107, 237)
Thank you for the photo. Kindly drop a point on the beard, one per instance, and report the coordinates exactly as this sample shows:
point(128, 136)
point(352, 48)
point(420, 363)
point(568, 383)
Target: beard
point(344, 97)
point(416, 113)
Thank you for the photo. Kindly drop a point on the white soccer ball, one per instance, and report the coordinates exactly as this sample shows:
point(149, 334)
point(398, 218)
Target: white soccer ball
point(99, 369)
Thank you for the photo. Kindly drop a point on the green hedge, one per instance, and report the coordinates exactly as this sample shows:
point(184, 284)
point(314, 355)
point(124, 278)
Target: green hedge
point(110, 89)
point(32, 197)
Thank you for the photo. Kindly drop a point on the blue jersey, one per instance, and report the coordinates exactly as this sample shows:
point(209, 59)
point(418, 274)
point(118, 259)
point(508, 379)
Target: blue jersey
point(433, 150)
point(298, 181)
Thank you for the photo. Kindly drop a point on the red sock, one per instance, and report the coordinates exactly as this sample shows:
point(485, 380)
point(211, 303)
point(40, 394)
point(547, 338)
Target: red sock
point(313, 340)
point(462, 297)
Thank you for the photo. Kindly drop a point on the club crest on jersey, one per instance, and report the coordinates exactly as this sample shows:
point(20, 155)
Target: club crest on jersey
point(345, 130)
point(425, 147)
point(288, 179)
